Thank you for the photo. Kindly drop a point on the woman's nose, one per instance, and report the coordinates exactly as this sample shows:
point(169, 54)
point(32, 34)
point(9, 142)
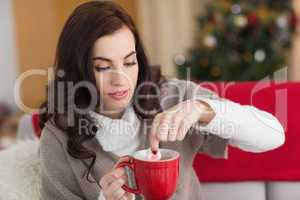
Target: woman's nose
point(118, 77)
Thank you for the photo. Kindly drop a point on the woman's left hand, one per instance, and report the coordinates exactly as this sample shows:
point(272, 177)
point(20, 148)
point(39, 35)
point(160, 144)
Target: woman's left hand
point(174, 123)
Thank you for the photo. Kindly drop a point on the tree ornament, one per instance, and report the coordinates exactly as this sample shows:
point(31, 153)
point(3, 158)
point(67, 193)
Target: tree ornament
point(236, 9)
point(210, 41)
point(179, 59)
point(259, 55)
point(240, 21)
point(252, 20)
point(282, 21)
point(216, 71)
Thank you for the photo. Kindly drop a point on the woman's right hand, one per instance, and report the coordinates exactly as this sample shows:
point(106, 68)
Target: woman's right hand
point(112, 183)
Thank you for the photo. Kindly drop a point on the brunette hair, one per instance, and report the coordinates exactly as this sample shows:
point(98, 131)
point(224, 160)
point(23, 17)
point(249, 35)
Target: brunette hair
point(73, 63)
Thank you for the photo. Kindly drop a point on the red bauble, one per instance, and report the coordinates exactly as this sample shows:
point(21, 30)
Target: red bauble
point(293, 20)
point(253, 20)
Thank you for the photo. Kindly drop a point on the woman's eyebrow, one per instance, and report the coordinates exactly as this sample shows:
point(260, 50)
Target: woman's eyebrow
point(109, 60)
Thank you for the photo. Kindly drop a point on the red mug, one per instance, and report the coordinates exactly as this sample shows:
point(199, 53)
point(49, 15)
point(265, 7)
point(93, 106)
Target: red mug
point(155, 180)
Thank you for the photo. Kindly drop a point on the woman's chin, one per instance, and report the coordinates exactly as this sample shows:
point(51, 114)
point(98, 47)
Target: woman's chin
point(118, 105)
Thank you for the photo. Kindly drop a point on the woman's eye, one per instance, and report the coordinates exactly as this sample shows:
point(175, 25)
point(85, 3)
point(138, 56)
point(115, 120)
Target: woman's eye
point(101, 69)
point(130, 64)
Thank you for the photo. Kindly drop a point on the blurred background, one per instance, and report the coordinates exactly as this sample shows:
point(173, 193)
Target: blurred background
point(224, 40)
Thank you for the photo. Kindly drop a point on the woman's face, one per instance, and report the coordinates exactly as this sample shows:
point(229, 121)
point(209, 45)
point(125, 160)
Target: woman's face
point(116, 70)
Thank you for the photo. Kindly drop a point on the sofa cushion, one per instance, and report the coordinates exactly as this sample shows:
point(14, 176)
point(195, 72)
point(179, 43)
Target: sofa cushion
point(283, 191)
point(234, 191)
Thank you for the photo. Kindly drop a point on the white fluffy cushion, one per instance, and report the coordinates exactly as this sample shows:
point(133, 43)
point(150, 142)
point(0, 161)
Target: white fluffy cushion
point(19, 171)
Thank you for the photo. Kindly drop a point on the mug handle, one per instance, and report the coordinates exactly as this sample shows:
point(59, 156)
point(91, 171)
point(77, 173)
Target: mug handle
point(131, 166)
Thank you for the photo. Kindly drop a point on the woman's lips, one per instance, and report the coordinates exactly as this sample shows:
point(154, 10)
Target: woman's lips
point(119, 95)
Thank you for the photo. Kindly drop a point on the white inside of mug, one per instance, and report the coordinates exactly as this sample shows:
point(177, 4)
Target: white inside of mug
point(166, 154)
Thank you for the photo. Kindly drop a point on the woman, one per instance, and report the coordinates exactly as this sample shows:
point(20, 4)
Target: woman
point(105, 102)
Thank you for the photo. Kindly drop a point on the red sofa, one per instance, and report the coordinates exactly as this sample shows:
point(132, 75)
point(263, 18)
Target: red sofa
point(282, 164)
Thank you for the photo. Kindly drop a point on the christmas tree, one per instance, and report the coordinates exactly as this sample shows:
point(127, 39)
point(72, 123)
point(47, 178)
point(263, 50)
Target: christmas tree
point(240, 40)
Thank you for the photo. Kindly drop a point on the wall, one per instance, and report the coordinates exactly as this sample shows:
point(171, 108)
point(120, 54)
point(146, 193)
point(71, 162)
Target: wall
point(167, 28)
point(36, 35)
point(8, 58)
point(38, 25)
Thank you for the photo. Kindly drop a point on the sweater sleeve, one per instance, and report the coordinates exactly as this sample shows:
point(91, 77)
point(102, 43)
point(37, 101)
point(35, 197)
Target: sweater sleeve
point(242, 126)
point(246, 127)
point(57, 178)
